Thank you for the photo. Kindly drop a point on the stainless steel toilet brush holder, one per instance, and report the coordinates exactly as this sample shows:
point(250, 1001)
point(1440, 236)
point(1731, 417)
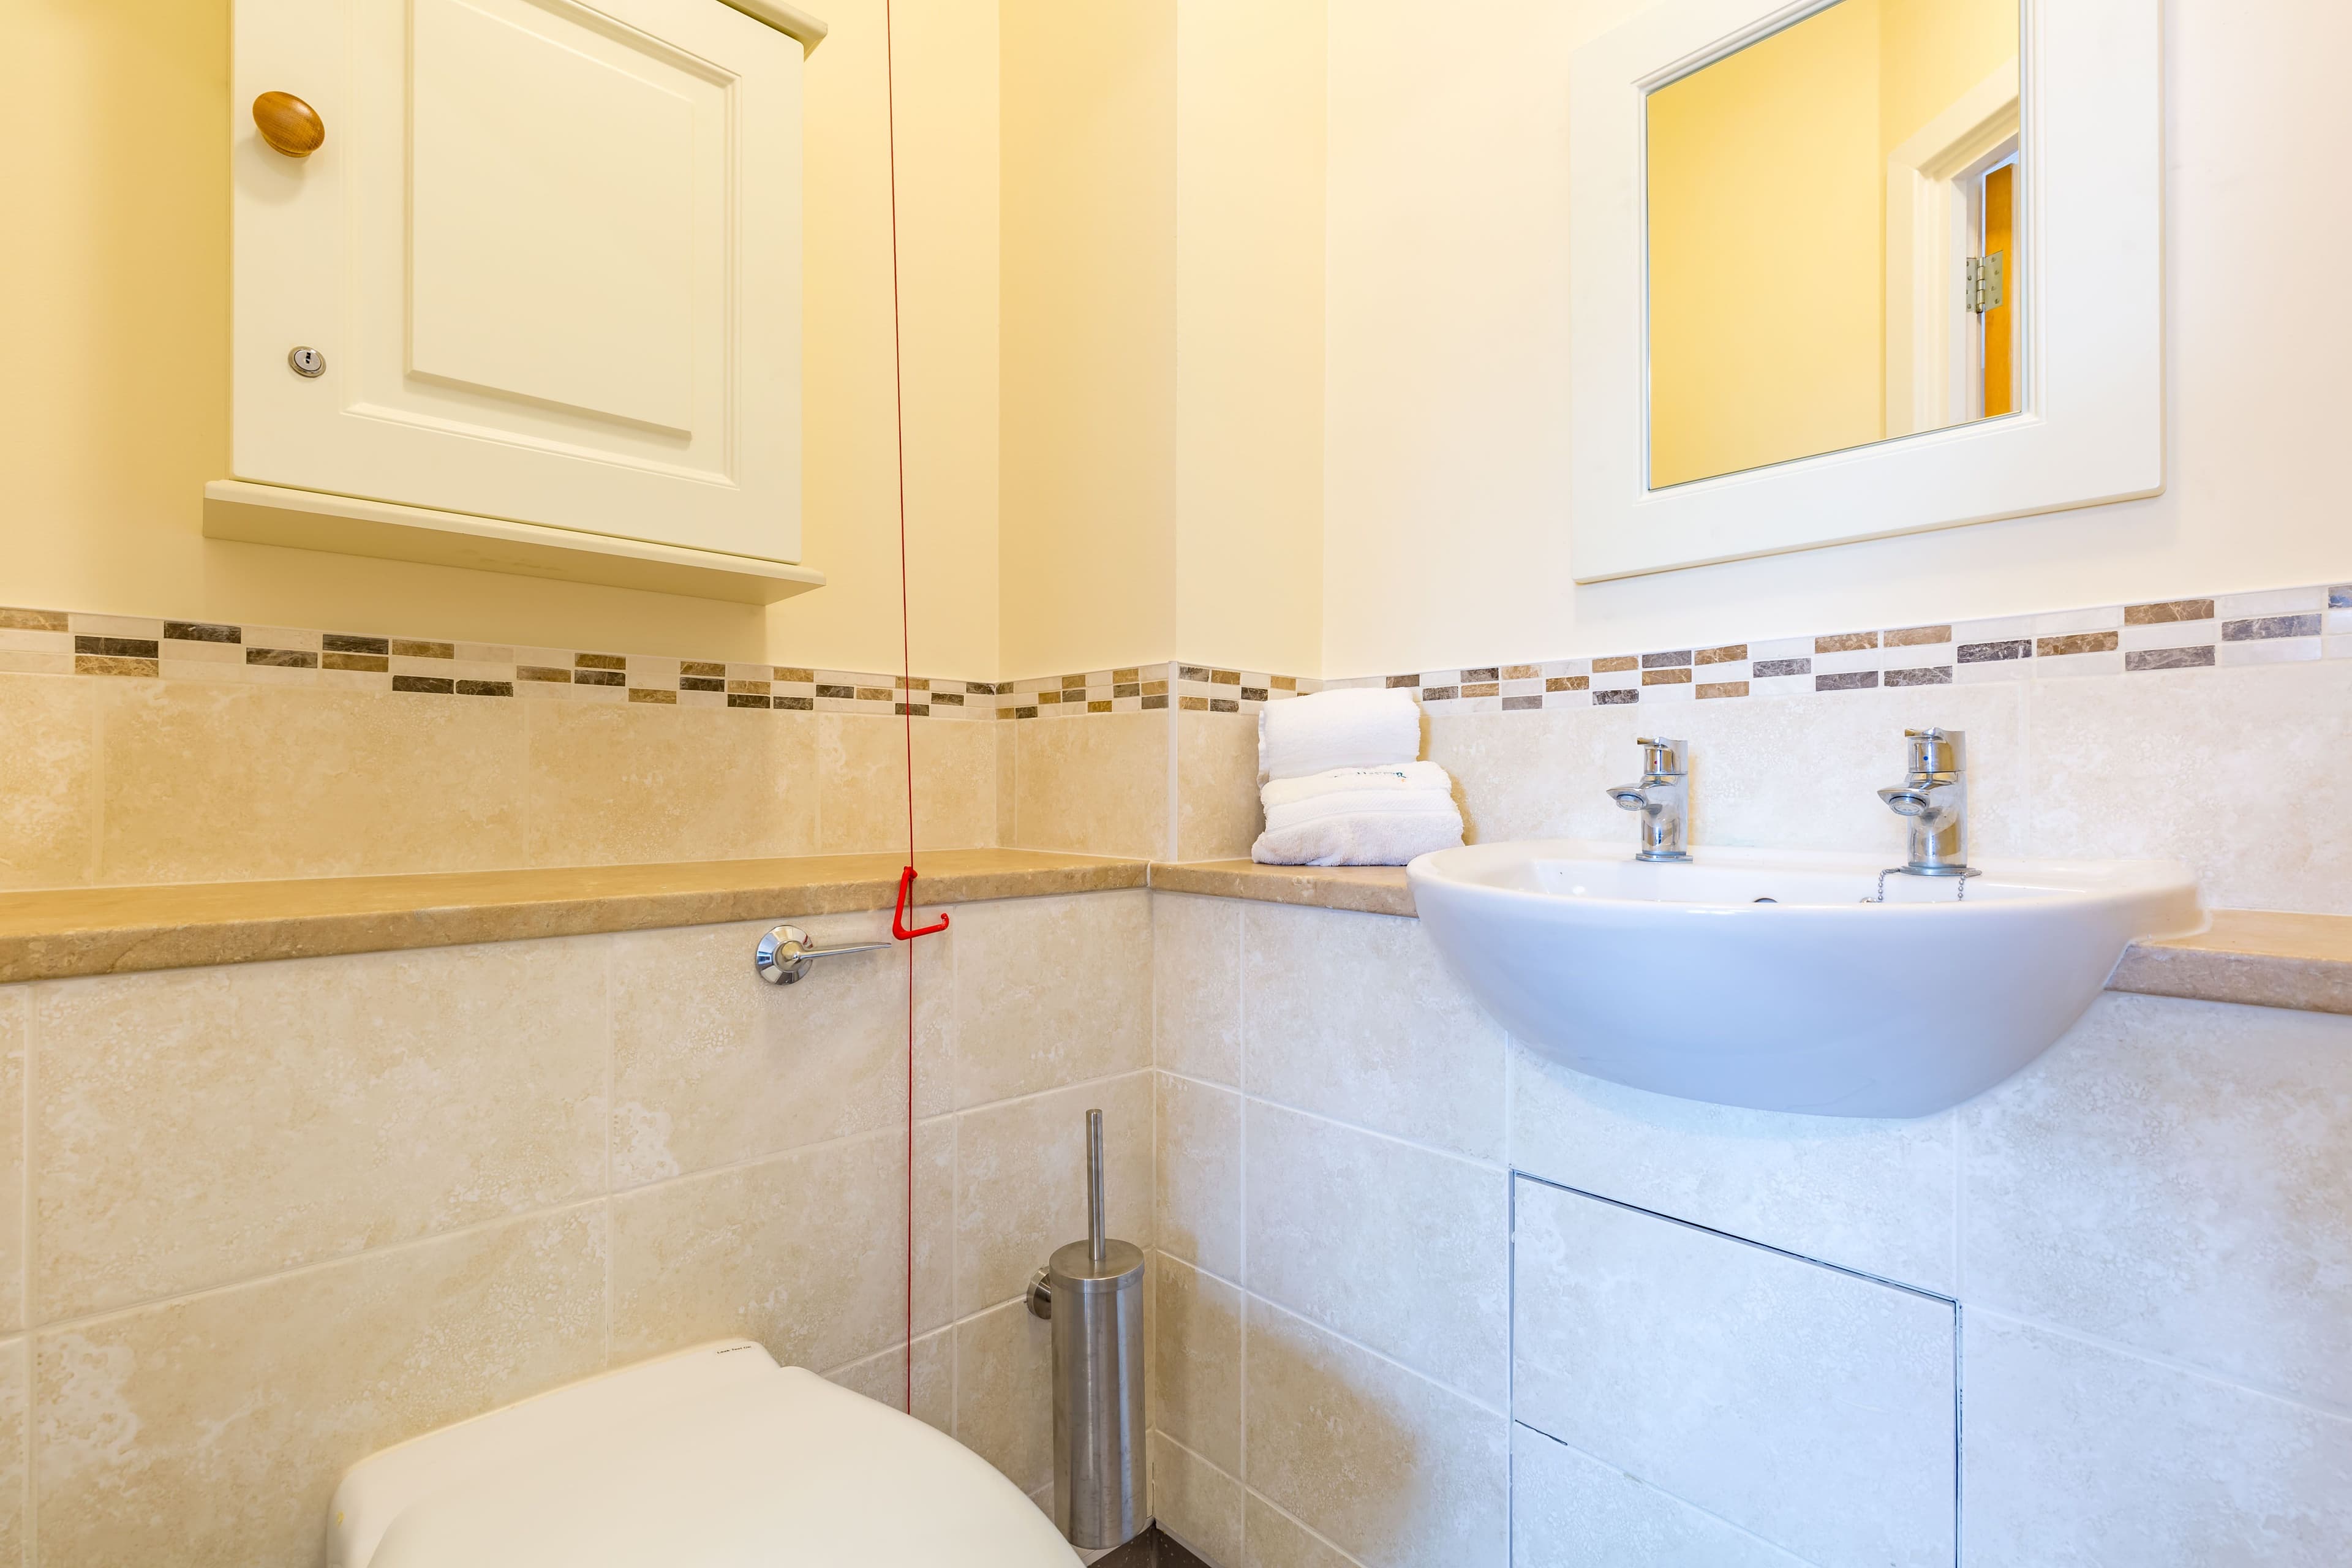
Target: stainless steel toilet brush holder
point(1092, 1292)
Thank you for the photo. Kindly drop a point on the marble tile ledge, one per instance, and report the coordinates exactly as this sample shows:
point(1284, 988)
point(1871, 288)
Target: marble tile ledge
point(2252, 957)
point(2259, 958)
point(106, 930)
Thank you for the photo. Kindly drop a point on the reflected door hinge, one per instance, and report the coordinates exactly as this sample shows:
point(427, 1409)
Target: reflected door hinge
point(1984, 282)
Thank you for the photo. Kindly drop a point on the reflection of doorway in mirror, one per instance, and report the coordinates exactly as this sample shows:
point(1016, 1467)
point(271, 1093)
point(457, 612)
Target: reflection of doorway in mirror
point(1935, 341)
point(1997, 246)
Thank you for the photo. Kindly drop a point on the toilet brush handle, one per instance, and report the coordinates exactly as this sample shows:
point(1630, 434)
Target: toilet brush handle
point(1095, 1228)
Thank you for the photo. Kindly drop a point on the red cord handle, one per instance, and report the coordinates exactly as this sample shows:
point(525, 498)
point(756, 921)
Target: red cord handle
point(898, 926)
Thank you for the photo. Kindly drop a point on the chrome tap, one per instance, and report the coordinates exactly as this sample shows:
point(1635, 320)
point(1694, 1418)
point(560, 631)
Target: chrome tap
point(1662, 795)
point(1933, 798)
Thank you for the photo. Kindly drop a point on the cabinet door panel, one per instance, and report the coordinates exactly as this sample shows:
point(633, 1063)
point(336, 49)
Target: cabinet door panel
point(550, 252)
point(552, 237)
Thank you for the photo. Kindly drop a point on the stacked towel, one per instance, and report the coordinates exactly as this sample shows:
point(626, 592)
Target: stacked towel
point(1358, 728)
point(1342, 788)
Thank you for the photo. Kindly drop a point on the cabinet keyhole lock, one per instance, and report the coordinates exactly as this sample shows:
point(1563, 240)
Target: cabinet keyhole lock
point(307, 362)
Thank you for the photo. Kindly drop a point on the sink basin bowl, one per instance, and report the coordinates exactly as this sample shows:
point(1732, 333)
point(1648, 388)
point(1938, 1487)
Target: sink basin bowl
point(1760, 977)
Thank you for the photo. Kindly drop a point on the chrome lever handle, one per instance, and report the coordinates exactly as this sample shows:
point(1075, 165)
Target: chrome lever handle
point(784, 955)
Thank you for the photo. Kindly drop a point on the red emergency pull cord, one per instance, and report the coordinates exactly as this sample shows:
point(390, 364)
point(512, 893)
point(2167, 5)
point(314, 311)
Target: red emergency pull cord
point(898, 926)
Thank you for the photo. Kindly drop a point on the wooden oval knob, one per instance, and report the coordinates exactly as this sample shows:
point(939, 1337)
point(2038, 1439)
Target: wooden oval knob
point(289, 125)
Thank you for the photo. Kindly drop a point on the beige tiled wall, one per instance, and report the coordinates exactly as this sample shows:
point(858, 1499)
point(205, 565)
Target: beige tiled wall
point(2146, 1234)
point(2237, 772)
point(119, 782)
point(1168, 785)
point(284, 1213)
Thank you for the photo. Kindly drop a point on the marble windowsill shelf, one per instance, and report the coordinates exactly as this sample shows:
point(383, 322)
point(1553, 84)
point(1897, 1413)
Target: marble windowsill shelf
point(2262, 959)
point(103, 930)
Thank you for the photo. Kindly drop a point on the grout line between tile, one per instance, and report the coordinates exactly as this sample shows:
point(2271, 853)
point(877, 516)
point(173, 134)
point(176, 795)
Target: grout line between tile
point(2315, 1405)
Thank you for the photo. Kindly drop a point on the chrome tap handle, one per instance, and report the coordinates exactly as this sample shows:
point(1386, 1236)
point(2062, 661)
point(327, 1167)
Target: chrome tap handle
point(1661, 756)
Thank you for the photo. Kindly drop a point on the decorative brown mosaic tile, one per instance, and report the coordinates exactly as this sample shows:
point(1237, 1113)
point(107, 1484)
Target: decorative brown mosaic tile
point(1523, 672)
point(486, 689)
point(1846, 642)
point(17, 620)
point(406, 647)
point(1665, 677)
point(788, 673)
point(116, 647)
point(339, 642)
point(289, 658)
point(652, 694)
point(599, 661)
point(198, 631)
point(1722, 689)
point(1395, 682)
point(1481, 688)
point(1192, 704)
point(1439, 693)
point(589, 677)
point(2074, 642)
point(541, 672)
point(1616, 665)
point(425, 685)
point(371, 661)
point(112, 664)
point(747, 699)
point(1567, 682)
point(1915, 637)
point(2168, 611)
point(1730, 653)
point(703, 670)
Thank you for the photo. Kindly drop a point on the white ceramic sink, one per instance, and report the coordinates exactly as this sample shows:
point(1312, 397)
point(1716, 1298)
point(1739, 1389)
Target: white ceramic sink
point(1676, 978)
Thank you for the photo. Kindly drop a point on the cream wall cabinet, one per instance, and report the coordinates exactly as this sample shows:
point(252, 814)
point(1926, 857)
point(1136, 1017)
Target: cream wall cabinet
point(548, 260)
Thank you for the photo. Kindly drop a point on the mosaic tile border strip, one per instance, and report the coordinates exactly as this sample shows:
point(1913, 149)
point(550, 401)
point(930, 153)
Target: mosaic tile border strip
point(1145, 687)
point(60, 642)
point(2277, 627)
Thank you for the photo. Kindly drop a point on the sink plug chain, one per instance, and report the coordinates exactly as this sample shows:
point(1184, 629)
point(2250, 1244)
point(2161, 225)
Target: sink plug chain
point(1961, 877)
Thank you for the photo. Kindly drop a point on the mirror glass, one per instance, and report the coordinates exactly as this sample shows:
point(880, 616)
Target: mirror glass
point(1835, 214)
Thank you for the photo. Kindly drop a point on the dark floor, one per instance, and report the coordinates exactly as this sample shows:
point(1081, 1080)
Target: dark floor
point(1150, 1549)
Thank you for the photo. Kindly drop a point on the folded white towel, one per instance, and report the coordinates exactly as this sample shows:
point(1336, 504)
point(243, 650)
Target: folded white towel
point(1357, 816)
point(1359, 802)
point(1393, 778)
point(1360, 726)
point(1360, 840)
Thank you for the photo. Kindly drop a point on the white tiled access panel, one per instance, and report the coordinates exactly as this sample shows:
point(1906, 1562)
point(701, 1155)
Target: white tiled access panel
point(552, 255)
point(1684, 1396)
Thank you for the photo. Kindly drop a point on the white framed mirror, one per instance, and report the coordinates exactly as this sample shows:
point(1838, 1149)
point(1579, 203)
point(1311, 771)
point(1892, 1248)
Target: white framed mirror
point(1850, 269)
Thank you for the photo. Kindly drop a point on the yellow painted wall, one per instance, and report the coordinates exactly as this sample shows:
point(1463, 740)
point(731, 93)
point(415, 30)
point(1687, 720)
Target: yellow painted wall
point(947, 80)
point(1088, 325)
point(1932, 51)
point(1767, 196)
point(1446, 475)
point(114, 374)
point(1249, 338)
